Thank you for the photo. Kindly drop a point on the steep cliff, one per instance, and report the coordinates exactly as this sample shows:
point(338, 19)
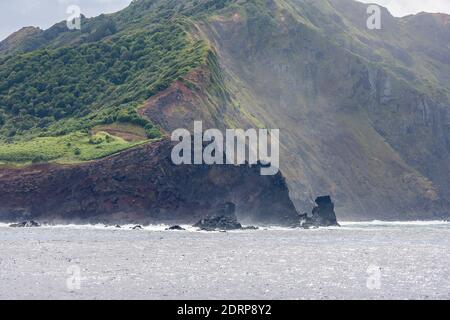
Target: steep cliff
point(141, 185)
point(357, 120)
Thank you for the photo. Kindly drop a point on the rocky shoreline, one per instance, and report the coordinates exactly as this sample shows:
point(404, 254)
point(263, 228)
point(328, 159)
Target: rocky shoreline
point(225, 219)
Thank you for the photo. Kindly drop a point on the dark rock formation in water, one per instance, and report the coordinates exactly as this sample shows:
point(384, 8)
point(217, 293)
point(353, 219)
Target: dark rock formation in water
point(26, 224)
point(323, 214)
point(224, 220)
point(176, 228)
point(222, 223)
point(143, 186)
point(250, 228)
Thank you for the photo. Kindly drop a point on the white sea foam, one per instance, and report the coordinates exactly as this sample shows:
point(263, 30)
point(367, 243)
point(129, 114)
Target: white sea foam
point(156, 227)
point(394, 223)
point(344, 225)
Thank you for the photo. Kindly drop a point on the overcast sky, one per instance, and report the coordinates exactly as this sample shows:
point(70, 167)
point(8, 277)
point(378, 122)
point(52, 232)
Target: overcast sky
point(15, 14)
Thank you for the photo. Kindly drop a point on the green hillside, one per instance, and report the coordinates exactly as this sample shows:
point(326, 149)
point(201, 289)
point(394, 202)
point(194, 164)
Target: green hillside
point(57, 82)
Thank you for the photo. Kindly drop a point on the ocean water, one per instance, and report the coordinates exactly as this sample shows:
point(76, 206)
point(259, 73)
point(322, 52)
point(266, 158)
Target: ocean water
point(360, 260)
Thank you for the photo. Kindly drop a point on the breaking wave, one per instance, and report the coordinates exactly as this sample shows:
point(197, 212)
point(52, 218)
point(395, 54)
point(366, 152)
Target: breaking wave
point(394, 223)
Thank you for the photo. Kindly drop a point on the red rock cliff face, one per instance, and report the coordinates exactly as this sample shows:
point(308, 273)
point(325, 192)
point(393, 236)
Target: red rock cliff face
point(141, 186)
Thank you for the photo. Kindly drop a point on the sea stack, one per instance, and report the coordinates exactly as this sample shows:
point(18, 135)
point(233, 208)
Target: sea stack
point(323, 214)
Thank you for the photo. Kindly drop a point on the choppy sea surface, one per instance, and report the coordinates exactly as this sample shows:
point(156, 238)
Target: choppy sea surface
point(360, 260)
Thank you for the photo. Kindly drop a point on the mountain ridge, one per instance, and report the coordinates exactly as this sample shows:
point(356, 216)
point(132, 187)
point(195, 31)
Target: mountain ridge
point(364, 114)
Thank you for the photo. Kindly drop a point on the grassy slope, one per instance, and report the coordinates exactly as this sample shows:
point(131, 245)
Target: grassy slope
point(72, 148)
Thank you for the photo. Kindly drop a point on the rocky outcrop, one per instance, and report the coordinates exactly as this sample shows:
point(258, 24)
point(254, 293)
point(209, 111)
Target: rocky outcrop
point(323, 214)
point(225, 219)
point(26, 224)
point(142, 186)
point(222, 223)
point(176, 228)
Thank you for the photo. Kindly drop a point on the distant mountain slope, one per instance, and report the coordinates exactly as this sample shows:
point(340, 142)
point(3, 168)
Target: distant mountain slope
point(362, 124)
point(20, 41)
point(364, 114)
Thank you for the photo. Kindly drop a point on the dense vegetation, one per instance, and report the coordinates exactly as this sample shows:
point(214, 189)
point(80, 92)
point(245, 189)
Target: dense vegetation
point(59, 84)
point(93, 83)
